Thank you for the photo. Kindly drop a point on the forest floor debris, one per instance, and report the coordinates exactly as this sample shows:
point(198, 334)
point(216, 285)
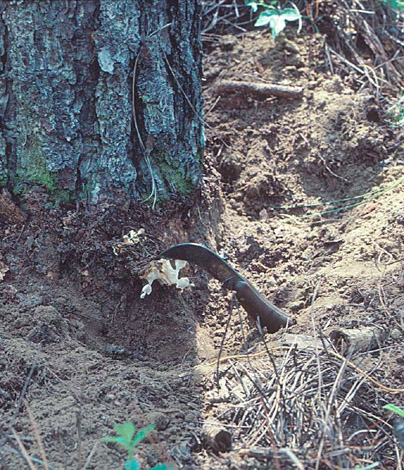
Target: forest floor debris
point(80, 346)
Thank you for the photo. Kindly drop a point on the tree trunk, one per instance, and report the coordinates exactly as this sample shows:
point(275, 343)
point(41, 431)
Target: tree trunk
point(68, 70)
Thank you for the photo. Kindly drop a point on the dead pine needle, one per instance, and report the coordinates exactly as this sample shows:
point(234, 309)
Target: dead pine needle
point(23, 450)
point(90, 455)
point(79, 438)
point(224, 338)
point(37, 435)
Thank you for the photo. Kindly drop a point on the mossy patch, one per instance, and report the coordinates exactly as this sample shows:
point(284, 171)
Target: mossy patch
point(34, 166)
point(177, 179)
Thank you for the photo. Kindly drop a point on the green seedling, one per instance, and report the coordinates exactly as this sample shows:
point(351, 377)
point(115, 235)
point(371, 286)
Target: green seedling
point(394, 4)
point(396, 113)
point(273, 15)
point(128, 439)
point(259, 3)
point(395, 409)
point(398, 425)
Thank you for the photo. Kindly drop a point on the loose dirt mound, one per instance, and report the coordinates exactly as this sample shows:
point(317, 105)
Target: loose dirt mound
point(82, 348)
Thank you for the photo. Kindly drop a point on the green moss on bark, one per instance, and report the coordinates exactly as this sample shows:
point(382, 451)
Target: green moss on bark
point(36, 167)
point(67, 96)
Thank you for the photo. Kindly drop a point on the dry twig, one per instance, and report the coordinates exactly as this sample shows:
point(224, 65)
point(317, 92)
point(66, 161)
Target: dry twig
point(261, 90)
point(37, 435)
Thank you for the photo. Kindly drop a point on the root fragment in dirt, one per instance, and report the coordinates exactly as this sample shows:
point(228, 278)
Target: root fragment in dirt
point(261, 90)
point(358, 339)
point(218, 438)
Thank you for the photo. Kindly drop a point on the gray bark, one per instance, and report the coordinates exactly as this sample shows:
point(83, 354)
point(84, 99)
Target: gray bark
point(66, 75)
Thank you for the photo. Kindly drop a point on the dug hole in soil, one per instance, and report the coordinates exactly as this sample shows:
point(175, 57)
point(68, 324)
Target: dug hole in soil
point(85, 352)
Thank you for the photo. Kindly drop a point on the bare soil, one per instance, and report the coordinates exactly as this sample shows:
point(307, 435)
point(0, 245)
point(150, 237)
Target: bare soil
point(85, 352)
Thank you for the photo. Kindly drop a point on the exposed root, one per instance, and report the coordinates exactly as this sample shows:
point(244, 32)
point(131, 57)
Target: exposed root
point(262, 90)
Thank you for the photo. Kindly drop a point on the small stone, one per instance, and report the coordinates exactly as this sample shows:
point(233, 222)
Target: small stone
point(263, 214)
point(159, 419)
point(29, 301)
point(396, 334)
point(139, 357)
point(297, 305)
point(115, 350)
point(334, 85)
point(230, 168)
point(227, 43)
point(291, 47)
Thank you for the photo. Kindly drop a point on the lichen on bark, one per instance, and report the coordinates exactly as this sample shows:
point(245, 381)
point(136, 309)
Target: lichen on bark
point(66, 74)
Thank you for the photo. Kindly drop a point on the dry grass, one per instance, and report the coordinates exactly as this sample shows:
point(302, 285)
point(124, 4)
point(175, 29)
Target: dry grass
point(304, 405)
point(314, 410)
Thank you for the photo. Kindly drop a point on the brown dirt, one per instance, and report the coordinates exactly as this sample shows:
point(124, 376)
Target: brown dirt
point(85, 352)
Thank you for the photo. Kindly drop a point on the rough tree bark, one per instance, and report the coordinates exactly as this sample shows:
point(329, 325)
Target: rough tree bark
point(66, 76)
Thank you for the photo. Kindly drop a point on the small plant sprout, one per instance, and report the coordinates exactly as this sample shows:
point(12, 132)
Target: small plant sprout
point(396, 113)
point(395, 409)
point(128, 439)
point(274, 16)
point(398, 425)
point(394, 4)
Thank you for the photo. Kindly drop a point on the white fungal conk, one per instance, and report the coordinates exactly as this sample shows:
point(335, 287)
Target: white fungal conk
point(163, 272)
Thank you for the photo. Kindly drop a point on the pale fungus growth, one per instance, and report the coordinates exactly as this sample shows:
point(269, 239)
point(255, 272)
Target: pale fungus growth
point(133, 238)
point(3, 270)
point(163, 272)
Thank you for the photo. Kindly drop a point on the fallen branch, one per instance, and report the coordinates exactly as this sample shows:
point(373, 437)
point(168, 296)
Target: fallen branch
point(359, 339)
point(262, 90)
point(218, 437)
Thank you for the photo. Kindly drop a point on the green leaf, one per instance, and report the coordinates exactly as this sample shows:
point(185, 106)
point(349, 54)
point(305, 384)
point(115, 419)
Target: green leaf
point(268, 7)
point(290, 14)
point(394, 4)
point(276, 20)
point(394, 409)
point(251, 4)
point(163, 466)
point(116, 439)
point(265, 18)
point(277, 25)
point(142, 434)
point(126, 430)
point(131, 465)
point(254, 4)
